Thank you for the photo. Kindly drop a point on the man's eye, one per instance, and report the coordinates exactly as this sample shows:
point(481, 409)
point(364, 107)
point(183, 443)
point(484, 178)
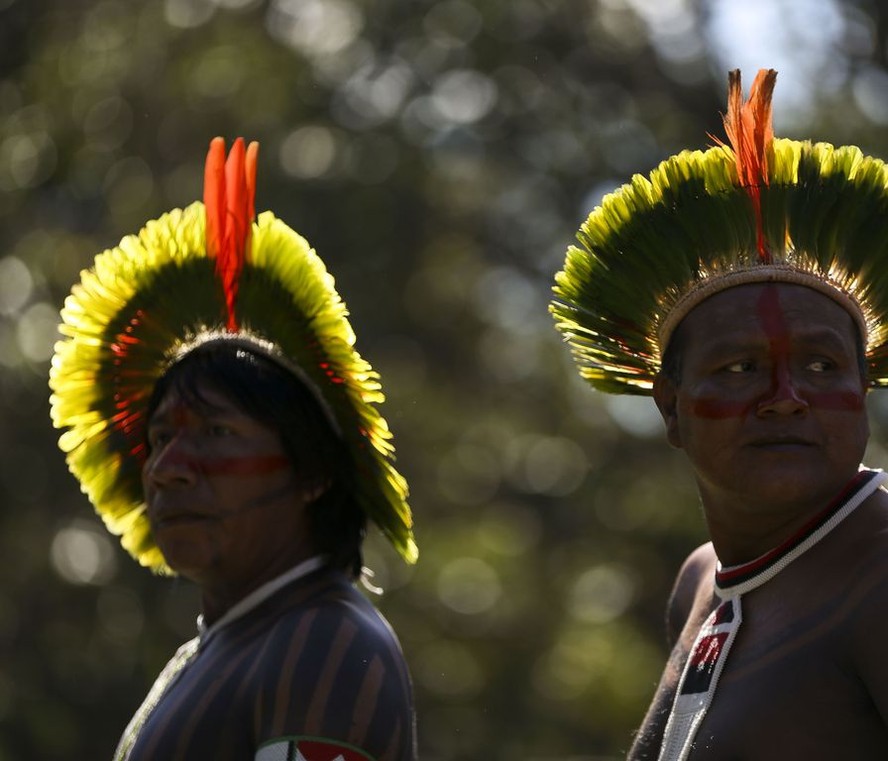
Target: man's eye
point(745, 366)
point(157, 439)
point(820, 365)
point(218, 430)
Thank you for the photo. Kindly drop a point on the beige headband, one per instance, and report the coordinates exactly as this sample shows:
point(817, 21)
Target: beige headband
point(767, 273)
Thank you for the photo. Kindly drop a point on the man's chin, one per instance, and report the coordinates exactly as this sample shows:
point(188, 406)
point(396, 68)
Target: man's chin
point(763, 484)
point(188, 558)
point(799, 482)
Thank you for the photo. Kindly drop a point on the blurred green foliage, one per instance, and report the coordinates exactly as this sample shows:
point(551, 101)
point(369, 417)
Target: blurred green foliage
point(439, 155)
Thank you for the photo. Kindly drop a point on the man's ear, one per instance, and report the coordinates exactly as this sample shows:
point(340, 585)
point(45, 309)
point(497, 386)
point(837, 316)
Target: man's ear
point(666, 399)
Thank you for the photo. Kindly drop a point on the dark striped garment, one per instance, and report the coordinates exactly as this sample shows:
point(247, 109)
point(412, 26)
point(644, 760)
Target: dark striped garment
point(313, 671)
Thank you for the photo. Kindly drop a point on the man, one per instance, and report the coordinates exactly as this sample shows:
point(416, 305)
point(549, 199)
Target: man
point(222, 423)
point(741, 287)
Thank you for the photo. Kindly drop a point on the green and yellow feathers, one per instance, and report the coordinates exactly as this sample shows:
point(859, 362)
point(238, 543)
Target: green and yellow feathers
point(823, 216)
point(143, 300)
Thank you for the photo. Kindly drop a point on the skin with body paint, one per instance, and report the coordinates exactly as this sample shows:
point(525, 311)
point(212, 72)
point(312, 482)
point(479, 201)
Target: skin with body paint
point(225, 503)
point(768, 405)
point(769, 410)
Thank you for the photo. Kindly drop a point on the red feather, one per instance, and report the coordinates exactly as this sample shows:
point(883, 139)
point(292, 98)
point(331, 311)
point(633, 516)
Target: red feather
point(214, 195)
point(750, 132)
point(229, 198)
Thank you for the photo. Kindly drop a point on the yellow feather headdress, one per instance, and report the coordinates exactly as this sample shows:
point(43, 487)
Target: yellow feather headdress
point(210, 268)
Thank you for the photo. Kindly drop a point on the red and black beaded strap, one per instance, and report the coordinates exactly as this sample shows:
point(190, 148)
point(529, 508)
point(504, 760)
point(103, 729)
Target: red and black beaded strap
point(728, 580)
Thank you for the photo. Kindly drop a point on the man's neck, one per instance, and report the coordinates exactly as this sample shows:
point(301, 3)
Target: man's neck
point(258, 594)
point(220, 595)
point(740, 533)
point(735, 544)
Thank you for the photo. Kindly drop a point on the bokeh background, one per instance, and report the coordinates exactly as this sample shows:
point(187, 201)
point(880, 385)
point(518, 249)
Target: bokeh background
point(440, 156)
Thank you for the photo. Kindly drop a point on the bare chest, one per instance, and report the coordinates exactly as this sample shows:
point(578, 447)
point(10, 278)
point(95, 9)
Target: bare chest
point(789, 688)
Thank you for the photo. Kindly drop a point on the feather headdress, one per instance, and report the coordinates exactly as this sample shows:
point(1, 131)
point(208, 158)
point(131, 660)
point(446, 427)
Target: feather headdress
point(758, 209)
point(210, 270)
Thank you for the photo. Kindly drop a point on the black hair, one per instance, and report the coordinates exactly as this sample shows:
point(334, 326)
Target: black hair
point(275, 396)
point(670, 366)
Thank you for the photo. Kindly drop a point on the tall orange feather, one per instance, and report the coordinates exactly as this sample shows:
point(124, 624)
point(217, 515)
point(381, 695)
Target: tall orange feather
point(214, 195)
point(229, 199)
point(750, 132)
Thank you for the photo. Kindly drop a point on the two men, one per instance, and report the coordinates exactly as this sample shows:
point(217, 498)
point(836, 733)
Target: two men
point(743, 287)
point(221, 422)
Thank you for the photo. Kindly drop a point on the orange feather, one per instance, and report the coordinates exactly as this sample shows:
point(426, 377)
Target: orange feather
point(229, 198)
point(750, 132)
point(214, 195)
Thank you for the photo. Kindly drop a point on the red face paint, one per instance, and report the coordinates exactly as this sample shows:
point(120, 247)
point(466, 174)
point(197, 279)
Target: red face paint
point(245, 466)
point(773, 322)
point(713, 409)
point(848, 401)
point(782, 388)
point(178, 419)
point(250, 465)
point(179, 414)
point(716, 409)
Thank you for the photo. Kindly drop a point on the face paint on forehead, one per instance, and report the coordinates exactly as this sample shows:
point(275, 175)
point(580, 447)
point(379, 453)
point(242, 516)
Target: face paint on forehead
point(176, 412)
point(773, 322)
point(173, 411)
point(772, 319)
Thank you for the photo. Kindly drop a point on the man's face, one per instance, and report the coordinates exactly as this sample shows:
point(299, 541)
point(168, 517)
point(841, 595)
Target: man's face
point(770, 404)
point(225, 504)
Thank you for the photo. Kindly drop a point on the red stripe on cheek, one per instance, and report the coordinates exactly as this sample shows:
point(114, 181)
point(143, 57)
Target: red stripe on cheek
point(841, 401)
point(243, 466)
point(715, 409)
point(837, 400)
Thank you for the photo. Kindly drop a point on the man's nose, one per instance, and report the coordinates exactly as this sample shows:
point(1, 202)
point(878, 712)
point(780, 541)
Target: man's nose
point(783, 397)
point(173, 465)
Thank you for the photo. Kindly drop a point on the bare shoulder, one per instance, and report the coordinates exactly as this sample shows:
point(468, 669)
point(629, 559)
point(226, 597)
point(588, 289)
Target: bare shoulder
point(690, 602)
point(864, 542)
point(864, 606)
point(699, 563)
point(844, 579)
point(693, 586)
point(875, 512)
point(866, 561)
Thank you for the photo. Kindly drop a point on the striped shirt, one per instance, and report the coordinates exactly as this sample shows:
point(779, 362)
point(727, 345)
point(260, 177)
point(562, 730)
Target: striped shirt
point(313, 671)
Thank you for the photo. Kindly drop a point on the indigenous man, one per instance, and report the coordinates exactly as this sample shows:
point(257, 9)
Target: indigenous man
point(221, 422)
point(744, 288)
